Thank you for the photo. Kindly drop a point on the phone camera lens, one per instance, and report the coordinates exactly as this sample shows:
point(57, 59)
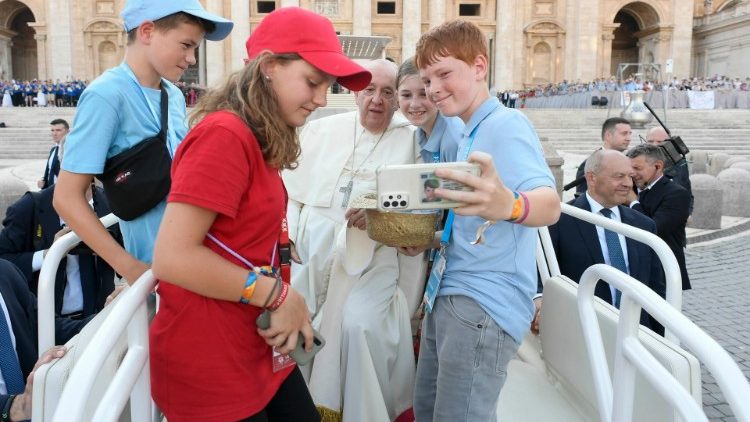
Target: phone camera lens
point(386, 204)
point(398, 197)
point(390, 196)
point(403, 203)
point(394, 204)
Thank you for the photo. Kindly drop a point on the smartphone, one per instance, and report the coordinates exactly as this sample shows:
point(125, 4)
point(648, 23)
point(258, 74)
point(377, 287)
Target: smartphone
point(412, 186)
point(299, 354)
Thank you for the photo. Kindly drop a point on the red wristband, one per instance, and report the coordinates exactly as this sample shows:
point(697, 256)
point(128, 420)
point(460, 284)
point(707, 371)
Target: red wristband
point(279, 300)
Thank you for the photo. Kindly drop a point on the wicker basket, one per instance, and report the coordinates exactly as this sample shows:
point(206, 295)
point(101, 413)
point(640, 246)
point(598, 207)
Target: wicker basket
point(395, 228)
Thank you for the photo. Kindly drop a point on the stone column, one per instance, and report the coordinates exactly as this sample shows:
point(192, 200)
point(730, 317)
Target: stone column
point(362, 18)
point(215, 58)
point(41, 55)
point(606, 55)
point(437, 12)
point(682, 39)
point(589, 41)
point(240, 11)
point(504, 42)
point(6, 66)
point(60, 36)
point(411, 27)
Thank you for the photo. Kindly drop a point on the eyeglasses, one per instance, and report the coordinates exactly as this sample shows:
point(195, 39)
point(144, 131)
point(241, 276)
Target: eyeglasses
point(386, 93)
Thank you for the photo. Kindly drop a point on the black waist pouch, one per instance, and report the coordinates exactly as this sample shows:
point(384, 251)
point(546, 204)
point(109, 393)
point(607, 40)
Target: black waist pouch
point(138, 179)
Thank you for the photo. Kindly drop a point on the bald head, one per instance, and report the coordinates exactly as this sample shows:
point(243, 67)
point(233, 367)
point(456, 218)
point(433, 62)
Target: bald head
point(377, 102)
point(656, 135)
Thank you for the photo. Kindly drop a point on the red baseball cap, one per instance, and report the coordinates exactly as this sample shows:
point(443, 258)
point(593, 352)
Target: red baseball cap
point(312, 37)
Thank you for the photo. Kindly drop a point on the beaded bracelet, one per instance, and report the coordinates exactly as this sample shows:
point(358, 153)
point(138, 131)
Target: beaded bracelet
point(279, 300)
point(526, 209)
point(517, 207)
point(249, 289)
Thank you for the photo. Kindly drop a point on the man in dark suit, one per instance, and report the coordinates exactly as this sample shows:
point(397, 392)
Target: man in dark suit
point(31, 225)
point(21, 308)
point(678, 173)
point(579, 244)
point(661, 199)
point(616, 133)
point(59, 129)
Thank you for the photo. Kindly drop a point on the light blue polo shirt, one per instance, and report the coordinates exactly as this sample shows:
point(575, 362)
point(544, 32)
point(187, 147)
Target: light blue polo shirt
point(114, 114)
point(444, 138)
point(500, 274)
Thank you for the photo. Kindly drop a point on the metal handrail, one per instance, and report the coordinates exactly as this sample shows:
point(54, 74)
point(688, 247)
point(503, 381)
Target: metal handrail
point(46, 286)
point(673, 278)
point(631, 355)
point(131, 379)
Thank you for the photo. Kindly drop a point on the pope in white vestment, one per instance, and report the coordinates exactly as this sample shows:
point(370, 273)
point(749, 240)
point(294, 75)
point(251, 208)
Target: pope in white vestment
point(365, 372)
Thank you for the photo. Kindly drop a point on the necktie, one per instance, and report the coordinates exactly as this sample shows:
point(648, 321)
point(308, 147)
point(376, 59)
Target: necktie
point(9, 365)
point(616, 257)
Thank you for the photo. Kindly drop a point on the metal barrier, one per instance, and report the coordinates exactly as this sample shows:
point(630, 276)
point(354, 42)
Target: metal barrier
point(631, 355)
point(46, 286)
point(132, 379)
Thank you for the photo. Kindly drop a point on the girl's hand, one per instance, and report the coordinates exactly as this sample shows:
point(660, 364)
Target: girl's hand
point(289, 321)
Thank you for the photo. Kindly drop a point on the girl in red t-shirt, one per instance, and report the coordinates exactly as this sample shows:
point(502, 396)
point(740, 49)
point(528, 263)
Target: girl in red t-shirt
point(209, 360)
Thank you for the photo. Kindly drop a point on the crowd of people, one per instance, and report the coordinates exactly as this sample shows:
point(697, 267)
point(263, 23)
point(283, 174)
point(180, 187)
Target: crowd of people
point(252, 228)
point(602, 85)
point(49, 93)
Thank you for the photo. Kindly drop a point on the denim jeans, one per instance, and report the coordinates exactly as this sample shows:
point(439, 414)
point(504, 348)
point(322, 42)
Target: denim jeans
point(463, 359)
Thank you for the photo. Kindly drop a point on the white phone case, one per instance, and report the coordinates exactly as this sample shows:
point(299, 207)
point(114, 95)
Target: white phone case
point(409, 187)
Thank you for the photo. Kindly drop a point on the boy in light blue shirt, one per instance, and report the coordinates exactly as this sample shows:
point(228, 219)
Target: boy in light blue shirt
point(121, 108)
point(483, 305)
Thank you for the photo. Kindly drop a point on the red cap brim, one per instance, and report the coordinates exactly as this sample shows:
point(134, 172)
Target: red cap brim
point(347, 72)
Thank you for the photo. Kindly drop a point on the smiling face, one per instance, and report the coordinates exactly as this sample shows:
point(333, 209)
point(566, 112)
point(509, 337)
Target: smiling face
point(414, 104)
point(645, 170)
point(172, 51)
point(456, 88)
point(300, 88)
point(612, 182)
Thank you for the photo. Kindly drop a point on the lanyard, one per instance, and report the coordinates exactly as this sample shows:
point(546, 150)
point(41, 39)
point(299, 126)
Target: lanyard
point(449, 221)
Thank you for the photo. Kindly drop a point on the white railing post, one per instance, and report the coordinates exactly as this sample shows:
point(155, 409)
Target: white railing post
point(46, 286)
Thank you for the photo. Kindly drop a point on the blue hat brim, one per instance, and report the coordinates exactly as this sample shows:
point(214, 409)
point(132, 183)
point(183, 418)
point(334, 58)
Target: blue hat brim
point(223, 26)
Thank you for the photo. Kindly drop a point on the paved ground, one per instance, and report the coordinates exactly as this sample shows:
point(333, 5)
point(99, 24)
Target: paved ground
point(720, 304)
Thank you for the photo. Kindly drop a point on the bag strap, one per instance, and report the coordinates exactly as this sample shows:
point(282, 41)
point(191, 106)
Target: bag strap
point(164, 114)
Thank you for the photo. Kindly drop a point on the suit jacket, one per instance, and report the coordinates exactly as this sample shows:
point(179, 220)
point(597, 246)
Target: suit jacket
point(52, 169)
point(19, 239)
point(577, 248)
point(681, 174)
point(668, 204)
point(22, 310)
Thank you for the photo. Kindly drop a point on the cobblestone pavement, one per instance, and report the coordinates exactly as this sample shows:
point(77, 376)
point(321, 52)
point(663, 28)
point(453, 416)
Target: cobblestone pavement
point(719, 303)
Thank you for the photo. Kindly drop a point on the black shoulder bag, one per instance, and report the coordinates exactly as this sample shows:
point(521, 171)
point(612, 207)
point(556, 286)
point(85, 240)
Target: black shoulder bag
point(138, 179)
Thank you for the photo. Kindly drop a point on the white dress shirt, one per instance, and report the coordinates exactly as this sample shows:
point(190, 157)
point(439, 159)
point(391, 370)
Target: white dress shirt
point(596, 209)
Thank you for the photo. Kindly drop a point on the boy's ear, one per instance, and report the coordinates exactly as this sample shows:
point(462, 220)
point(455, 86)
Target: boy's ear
point(480, 67)
point(145, 32)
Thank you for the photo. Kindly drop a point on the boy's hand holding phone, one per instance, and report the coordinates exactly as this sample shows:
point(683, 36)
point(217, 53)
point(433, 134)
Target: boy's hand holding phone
point(490, 198)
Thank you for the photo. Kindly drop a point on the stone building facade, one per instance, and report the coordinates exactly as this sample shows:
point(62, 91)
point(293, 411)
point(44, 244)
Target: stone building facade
point(531, 41)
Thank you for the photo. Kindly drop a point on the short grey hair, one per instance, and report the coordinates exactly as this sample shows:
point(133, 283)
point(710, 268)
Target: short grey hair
point(594, 162)
point(652, 153)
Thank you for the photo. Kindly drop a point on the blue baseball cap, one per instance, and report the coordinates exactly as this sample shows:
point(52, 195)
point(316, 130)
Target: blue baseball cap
point(138, 11)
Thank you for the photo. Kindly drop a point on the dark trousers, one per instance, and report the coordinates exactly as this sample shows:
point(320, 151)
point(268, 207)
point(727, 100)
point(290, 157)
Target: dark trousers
point(292, 402)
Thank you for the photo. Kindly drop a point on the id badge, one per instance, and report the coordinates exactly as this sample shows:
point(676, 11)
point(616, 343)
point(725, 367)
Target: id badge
point(433, 283)
point(280, 361)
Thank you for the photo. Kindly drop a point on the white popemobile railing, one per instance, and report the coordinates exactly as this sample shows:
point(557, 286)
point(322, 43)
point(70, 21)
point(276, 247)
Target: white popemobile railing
point(132, 378)
point(46, 286)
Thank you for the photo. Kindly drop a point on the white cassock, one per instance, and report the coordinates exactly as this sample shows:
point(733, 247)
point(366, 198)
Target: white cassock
point(365, 372)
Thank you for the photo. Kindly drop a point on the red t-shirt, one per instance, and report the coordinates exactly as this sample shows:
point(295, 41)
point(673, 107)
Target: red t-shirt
point(207, 360)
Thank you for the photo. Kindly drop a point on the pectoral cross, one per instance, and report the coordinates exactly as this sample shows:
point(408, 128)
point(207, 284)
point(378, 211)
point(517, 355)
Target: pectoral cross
point(347, 191)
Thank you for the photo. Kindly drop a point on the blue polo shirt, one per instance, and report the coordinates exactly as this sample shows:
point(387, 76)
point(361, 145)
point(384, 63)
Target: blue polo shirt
point(114, 114)
point(499, 274)
point(443, 139)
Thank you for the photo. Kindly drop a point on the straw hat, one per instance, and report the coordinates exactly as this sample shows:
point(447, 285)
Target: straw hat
point(394, 228)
